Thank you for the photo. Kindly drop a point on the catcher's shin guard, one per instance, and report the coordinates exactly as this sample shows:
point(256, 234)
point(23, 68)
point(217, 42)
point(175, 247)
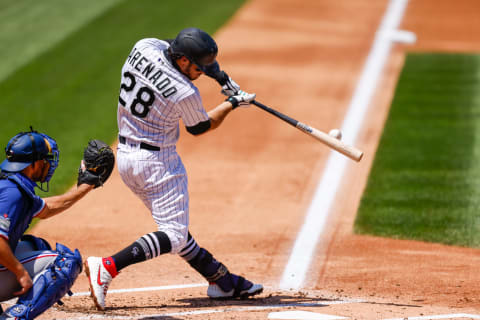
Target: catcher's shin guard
point(49, 286)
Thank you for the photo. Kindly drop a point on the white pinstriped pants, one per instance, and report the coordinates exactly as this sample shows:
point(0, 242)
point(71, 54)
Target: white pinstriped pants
point(160, 180)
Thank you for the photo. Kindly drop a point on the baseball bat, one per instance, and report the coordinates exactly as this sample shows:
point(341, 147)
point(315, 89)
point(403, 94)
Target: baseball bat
point(349, 151)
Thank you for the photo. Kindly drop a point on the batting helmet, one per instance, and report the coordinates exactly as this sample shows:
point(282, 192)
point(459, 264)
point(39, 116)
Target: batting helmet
point(196, 45)
point(27, 147)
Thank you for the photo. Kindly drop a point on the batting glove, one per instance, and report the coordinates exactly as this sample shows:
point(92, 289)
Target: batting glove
point(242, 98)
point(230, 88)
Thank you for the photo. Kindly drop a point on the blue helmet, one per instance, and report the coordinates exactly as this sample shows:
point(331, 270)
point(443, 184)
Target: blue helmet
point(27, 147)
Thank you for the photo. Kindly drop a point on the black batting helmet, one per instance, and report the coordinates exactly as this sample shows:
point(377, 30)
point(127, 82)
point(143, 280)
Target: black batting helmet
point(196, 45)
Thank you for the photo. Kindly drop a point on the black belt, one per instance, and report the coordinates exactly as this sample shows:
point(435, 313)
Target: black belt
point(143, 145)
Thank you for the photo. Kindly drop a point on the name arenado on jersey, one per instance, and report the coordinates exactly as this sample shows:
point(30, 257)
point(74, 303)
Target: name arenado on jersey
point(146, 67)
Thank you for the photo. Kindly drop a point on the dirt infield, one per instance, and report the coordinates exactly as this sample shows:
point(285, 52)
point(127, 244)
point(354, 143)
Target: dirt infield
point(252, 180)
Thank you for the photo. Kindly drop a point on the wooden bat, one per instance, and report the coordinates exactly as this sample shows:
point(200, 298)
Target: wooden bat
point(349, 151)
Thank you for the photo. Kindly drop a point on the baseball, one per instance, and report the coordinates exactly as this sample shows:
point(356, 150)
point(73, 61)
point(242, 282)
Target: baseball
point(337, 134)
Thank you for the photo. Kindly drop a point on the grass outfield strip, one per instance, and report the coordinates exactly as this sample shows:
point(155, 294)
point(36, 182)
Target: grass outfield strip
point(30, 27)
point(71, 91)
point(425, 180)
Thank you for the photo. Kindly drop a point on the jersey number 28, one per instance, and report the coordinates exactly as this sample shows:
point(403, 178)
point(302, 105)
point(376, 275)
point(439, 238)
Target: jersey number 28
point(144, 97)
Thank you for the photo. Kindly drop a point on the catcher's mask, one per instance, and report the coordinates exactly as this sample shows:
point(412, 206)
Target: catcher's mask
point(196, 45)
point(27, 147)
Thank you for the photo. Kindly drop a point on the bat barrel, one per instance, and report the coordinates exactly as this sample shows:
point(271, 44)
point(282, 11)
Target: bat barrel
point(349, 151)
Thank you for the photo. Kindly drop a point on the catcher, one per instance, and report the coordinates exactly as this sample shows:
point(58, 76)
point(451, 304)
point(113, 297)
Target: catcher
point(29, 268)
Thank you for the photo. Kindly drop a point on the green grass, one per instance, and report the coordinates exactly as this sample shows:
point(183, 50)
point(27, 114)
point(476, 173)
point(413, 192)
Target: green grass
point(425, 179)
point(30, 27)
point(70, 91)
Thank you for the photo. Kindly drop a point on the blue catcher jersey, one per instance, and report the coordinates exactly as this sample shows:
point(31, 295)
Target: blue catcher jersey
point(18, 206)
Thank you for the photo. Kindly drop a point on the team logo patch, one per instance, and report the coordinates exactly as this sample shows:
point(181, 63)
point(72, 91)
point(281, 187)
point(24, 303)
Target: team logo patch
point(4, 222)
point(135, 251)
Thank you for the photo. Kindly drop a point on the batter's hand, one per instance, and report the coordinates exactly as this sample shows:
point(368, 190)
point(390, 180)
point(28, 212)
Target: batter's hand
point(242, 98)
point(230, 88)
point(25, 282)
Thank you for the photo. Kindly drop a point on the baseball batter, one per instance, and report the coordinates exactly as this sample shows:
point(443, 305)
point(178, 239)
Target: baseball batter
point(29, 267)
point(156, 91)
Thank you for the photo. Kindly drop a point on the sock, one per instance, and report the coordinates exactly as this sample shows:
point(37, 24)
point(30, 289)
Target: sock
point(146, 247)
point(204, 263)
point(109, 264)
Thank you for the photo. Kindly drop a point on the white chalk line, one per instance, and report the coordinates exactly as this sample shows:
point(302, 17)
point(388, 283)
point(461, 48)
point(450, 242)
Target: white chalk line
point(441, 316)
point(300, 258)
point(219, 310)
point(170, 287)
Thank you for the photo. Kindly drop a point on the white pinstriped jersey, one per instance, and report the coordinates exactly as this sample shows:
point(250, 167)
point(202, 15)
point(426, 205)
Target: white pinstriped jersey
point(154, 96)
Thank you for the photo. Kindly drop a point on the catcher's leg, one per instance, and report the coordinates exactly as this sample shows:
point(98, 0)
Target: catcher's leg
point(35, 255)
point(101, 271)
point(222, 283)
point(49, 286)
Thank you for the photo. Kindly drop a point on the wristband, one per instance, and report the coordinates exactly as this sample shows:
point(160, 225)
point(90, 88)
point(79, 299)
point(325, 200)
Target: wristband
point(233, 101)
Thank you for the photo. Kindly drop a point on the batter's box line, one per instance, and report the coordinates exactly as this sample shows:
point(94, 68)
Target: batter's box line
point(145, 289)
point(219, 310)
point(441, 316)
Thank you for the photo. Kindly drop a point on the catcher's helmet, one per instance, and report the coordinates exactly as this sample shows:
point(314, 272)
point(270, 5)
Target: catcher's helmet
point(196, 45)
point(27, 147)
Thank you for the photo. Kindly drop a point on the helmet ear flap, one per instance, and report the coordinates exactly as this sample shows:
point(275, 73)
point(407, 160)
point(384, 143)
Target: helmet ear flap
point(174, 55)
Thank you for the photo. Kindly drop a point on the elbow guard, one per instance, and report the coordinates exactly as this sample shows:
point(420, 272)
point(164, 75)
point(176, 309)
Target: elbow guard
point(199, 128)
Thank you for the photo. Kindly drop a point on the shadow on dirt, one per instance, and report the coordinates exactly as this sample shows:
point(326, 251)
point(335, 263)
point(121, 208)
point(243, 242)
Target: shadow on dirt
point(190, 306)
point(271, 300)
point(393, 304)
point(178, 309)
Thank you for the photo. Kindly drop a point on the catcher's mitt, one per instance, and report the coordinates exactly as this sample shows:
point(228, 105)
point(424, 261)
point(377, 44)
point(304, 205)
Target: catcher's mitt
point(97, 164)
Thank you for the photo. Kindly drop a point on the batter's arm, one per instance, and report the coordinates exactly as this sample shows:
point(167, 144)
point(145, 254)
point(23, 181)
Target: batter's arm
point(9, 261)
point(218, 114)
point(215, 118)
point(57, 204)
point(241, 98)
point(213, 71)
point(229, 86)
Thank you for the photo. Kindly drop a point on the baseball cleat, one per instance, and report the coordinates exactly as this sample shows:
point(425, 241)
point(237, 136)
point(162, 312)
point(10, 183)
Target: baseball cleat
point(244, 289)
point(99, 279)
